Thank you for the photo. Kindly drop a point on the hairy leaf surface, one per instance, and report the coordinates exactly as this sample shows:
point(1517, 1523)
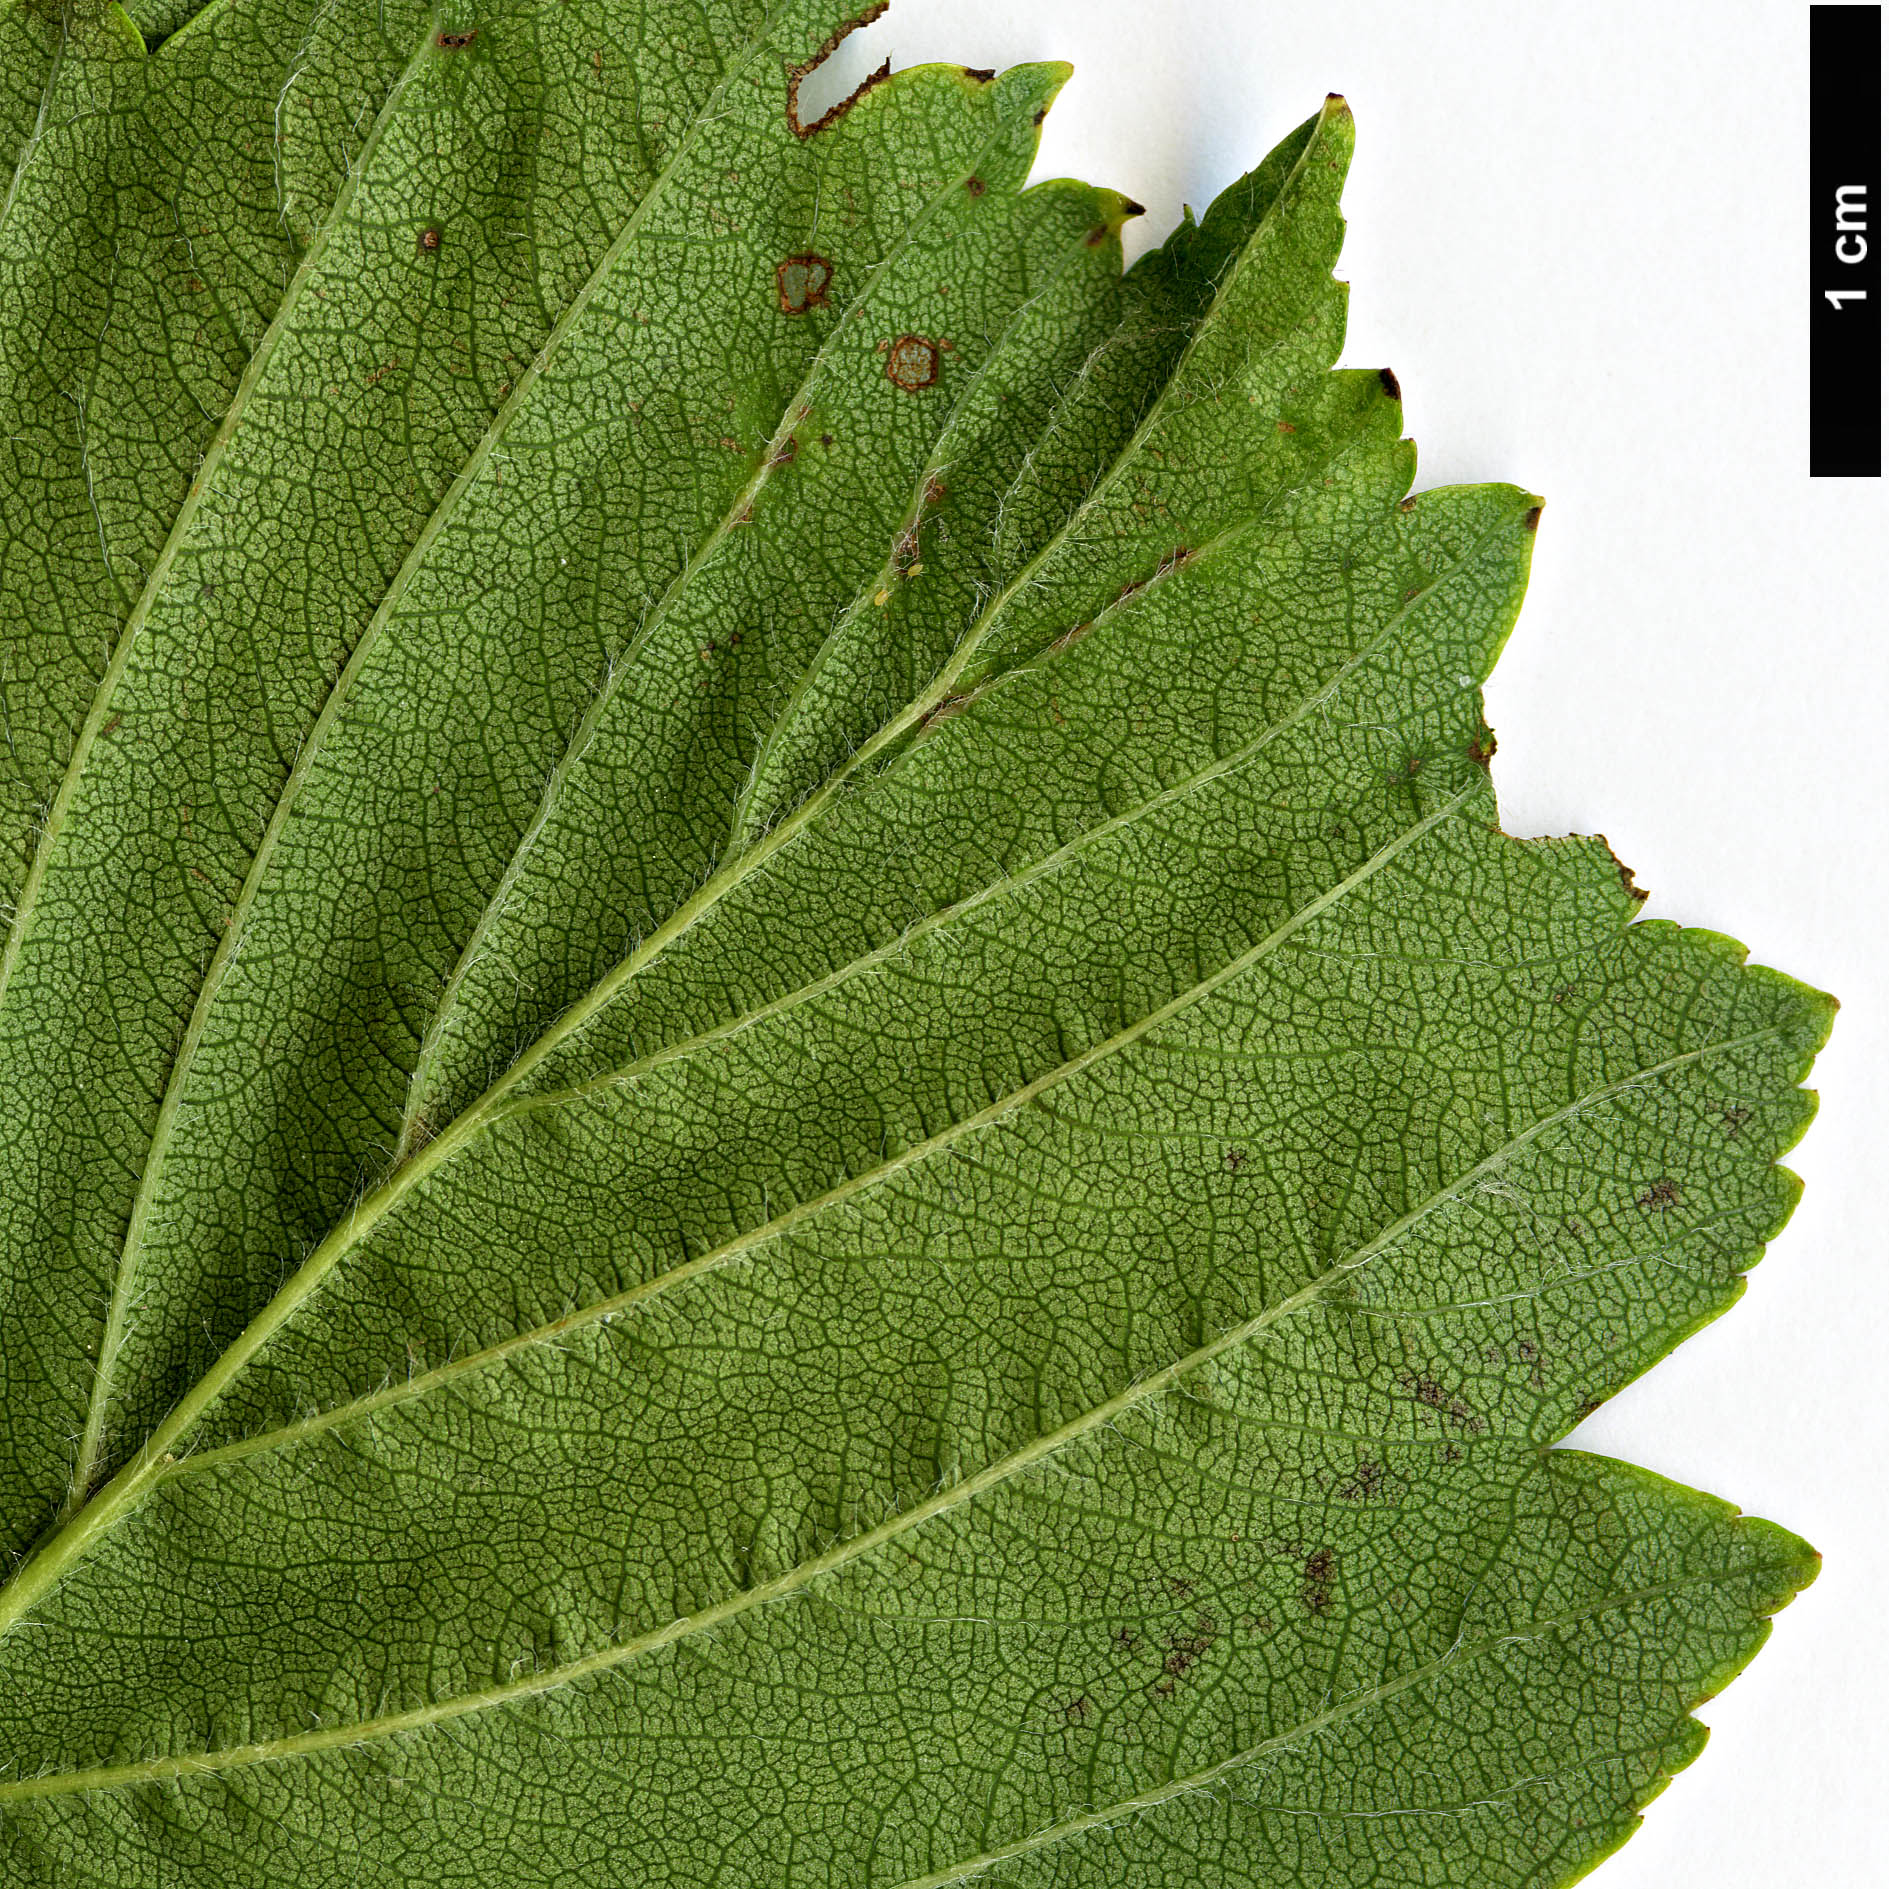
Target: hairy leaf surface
point(778, 1108)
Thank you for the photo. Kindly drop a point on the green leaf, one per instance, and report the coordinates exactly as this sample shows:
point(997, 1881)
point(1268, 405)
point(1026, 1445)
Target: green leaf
point(779, 1110)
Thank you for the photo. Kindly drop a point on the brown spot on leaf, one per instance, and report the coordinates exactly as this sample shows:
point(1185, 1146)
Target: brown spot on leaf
point(1185, 1649)
point(1532, 517)
point(1482, 748)
point(456, 42)
point(976, 186)
point(785, 453)
point(429, 240)
point(1078, 1711)
point(912, 363)
point(1388, 381)
point(1433, 1396)
point(951, 705)
point(1286, 426)
point(801, 282)
point(1735, 1119)
point(1131, 208)
point(982, 74)
point(1315, 1589)
point(1236, 1159)
point(1660, 1197)
point(1364, 1484)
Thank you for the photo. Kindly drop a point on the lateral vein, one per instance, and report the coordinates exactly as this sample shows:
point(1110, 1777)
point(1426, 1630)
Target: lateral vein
point(1351, 1707)
point(605, 1310)
point(620, 667)
point(575, 1018)
point(228, 946)
point(394, 1725)
point(868, 1178)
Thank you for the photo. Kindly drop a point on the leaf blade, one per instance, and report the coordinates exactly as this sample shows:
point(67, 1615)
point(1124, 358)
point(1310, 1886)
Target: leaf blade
point(1019, 1189)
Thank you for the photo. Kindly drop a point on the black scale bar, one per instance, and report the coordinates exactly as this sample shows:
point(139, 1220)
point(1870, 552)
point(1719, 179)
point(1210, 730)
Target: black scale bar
point(1846, 242)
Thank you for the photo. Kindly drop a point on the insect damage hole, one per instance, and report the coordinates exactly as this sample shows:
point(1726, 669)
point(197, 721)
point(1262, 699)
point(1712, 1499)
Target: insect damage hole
point(837, 76)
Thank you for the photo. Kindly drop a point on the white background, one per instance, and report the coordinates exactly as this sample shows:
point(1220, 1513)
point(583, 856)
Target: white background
point(1578, 235)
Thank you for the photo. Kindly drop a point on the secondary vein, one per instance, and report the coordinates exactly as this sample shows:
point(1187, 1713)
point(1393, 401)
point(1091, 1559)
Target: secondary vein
point(755, 856)
point(534, 1685)
point(621, 667)
point(1461, 1653)
point(921, 1151)
point(90, 1522)
point(124, 1290)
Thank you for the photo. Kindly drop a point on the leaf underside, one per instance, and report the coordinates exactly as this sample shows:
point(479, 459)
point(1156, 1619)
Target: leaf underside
point(778, 1108)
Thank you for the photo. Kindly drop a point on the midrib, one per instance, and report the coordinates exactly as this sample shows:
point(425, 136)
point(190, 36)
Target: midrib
point(91, 1521)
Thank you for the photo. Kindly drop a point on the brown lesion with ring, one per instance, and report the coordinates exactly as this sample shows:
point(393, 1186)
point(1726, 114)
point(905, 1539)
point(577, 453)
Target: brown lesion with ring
point(801, 282)
point(911, 363)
